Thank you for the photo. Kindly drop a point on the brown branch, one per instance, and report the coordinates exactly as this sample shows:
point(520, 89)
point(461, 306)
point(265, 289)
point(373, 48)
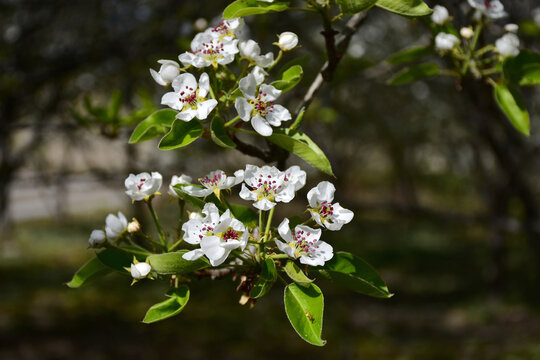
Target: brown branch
point(335, 55)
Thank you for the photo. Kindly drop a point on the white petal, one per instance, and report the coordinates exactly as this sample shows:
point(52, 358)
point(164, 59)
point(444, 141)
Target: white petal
point(271, 92)
point(211, 247)
point(197, 191)
point(205, 108)
point(186, 115)
point(312, 197)
point(285, 231)
point(264, 204)
point(278, 114)
point(246, 194)
point(157, 78)
point(265, 60)
point(187, 58)
point(230, 245)
point(286, 194)
point(243, 108)
point(326, 191)
point(185, 81)
point(172, 100)
point(285, 248)
point(204, 85)
point(193, 254)
point(248, 86)
point(261, 125)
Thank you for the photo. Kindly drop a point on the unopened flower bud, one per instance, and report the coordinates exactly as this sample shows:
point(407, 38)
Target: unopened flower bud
point(445, 42)
point(97, 237)
point(133, 226)
point(466, 32)
point(440, 15)
point(287, 41)
point(512, 28)
point(140, 270)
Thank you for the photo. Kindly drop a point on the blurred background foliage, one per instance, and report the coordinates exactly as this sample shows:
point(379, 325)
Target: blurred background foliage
point(446, 193)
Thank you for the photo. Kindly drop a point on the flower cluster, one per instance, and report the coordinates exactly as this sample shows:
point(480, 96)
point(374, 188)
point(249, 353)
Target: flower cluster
point(217, 234)
point(217, 47)
point(447, 40)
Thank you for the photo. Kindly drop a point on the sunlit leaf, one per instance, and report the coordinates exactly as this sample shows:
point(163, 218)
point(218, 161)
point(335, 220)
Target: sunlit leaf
point(174, 264)
point(405, 7)
point(242, 8)
point(355, 274)
point(93, 269)
point(302, 146)
point(157, 124)
point(513, 107)
point(304, 307)
point(176, 302)
point(289, 79)
point(296, 274)
point(182, 133)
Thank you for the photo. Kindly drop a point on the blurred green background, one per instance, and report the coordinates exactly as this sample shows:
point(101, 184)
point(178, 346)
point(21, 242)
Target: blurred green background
point(445, 192)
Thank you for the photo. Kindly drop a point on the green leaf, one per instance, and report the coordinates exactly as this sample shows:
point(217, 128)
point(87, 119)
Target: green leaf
point(304, 307)
point(157, 124)
point(174, 263)
point(409, 55)
point(93, 269)
point(266, 280)
point(355, 6)
point(296, 274)
point(513, 107)
point(302, 146)
point(289, 79)
point(523, 69)
point(405, 7)
point(243, 213)
point(242, 8)
point(176, 302)
point(117, 259)
point(219, 134)
point(181, 134)
point(355, 274)
point(414, 73)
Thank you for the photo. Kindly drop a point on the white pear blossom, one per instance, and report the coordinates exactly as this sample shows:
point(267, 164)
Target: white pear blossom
point(97, 237)
point(444, 41)
point(178, 180)
point(168, 71)
point(466, 32)
point(115, 225)
point(251, 50)
point(325, 213)
point(512, 28)
point(258, 105)
point(142, 185)
point(493, 9)
point(440, 15)
point(140, 270)
point(217, 235)
point(189, 97)
point(208, 50)
point(287, 41)
point(226, 29)
point(268, 186)
point(304, 243)
point(508, 45)
point(214, 182)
